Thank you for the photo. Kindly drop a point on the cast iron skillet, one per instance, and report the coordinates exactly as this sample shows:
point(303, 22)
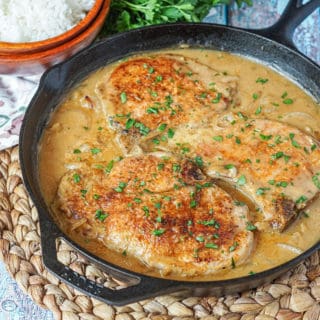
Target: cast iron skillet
point(273, 47)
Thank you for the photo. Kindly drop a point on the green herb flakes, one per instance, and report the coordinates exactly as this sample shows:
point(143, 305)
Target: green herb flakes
point(315, 180)
point(217, 98)
point(301, 199)
point(211, 245)
point(258, 110)
point(262, 80)
point(120, 187)
point(218, 138)
point(158, 232)
point(250, 226)
point(76, 178)
point(242, 181)
point(170, 133)
point(162, 127)
point(101, 215)
point(95, 150)
point(123, 97)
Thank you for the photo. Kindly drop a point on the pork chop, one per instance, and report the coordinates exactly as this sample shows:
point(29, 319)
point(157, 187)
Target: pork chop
point(275, 164)
point(161, 91)
point(162, 211)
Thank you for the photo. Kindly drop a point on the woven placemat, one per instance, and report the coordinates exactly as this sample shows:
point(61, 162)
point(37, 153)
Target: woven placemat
point(295, 295)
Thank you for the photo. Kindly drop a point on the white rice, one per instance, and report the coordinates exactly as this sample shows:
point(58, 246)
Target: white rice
point(34, 20)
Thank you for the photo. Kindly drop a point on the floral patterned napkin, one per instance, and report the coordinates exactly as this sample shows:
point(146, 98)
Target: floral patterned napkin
point(15, 95)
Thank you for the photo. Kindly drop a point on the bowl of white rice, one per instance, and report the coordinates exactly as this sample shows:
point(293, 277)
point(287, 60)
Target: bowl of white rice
point(35, 34)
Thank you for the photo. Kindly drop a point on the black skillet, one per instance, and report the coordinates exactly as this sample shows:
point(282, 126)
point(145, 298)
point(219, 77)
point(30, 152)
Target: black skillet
point(272, 47)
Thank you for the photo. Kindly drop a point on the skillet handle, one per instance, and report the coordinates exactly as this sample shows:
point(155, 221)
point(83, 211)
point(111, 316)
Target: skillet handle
point(141, 287)
point(295, 12)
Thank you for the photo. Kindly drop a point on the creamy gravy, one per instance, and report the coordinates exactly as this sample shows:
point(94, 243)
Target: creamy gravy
point(75, 124)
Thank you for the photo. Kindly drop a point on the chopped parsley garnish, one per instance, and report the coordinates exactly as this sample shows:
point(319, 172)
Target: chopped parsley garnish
point(242, 181)
point(242, 116)
point(153, 110)
point(315, 180)
point(199, 162)
point(83, 192)
point(233, 264)
point(255, 96)
point(95, 150)
point(156, 141)
point(234, 246)
point(170, 133)
point(158, 205)
point(142, 128)
point(217, 98)
point(120, 187)
point(162, 127)
point(160, 166)
point(176, 167)
point(288, 101)
point(211, 245)
point(258, 110)
point(229, 166)
point(200, 238)
point(250, 226)
point(101, 215)
point(277, 139)
point(109, 166)
point(129, 124)
point(96, 196)
point(238, 141)
point(301, 199)
point(158, 79)
point(265, 137)
point(261, 191)
point(123, 97)
point(137, 200)
point(294, 142)
point(146, 210)
point(76, 178)
point(75, 151)
point(262, 80)
point(211, 222)
point(282, 184)
point(218, 138)
point(158, 232)
point(284, 95)
point(193, 203)
point(277, 155)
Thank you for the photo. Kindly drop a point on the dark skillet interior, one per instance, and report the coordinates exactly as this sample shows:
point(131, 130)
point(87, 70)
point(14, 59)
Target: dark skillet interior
point(58, 81)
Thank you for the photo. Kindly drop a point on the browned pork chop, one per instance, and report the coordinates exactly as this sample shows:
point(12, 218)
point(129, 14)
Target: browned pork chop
point(161, 211)
point(162, 91)
point(276, 165)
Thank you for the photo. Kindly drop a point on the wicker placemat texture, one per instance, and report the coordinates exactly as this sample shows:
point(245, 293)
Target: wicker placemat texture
point(295, 295)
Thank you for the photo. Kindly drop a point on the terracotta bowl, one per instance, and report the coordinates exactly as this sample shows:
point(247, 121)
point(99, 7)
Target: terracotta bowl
point(35, 57)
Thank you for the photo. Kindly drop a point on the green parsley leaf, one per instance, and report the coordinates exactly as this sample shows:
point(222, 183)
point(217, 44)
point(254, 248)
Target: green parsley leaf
point(158, 232)
point(242, 181)
point(123, 97)
point(76, 178)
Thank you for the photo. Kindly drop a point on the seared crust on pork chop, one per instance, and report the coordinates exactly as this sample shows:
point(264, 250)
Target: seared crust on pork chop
point(144, 93)
point(276, 165)
point(163, 212)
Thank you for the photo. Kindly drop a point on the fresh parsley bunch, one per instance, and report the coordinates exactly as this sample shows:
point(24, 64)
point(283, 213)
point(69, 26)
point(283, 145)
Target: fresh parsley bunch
point(130, 14)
